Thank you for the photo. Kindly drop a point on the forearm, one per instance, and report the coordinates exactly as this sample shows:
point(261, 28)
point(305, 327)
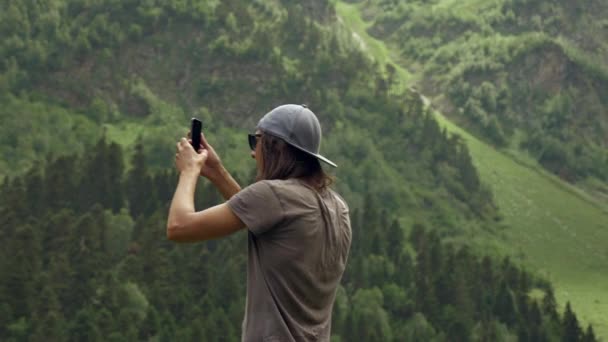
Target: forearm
point(225, 184)
point(182, 204)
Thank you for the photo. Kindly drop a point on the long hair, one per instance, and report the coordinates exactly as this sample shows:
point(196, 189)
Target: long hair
point(283, 161)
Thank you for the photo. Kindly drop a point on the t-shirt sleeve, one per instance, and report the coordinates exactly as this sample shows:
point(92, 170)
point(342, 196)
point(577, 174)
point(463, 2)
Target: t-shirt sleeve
point(257, 206)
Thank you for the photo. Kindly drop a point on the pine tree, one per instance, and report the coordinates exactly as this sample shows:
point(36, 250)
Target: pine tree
point(151, 326)
point(549, 305)
point(18, 286)
point(468, 173)
point(535, 323)
point(426, 300)
point(486, 288)
point(35, 191)
point(571, 330)
point(114, 168)
point(15, 204)
point(404, 269)
point(6, 317)
point(504, 308)
point(140, 194)
point(435, 254)
point(83, 327)
point(86, 253)
point(396, 241)
point(418, 236)
point(589, 335)
point(60, 279)
point(371, 224)
point(60, 176)
point(369, 320)
point(93, 182)
point(101, 181)
point(56, 228)
point(50, 322)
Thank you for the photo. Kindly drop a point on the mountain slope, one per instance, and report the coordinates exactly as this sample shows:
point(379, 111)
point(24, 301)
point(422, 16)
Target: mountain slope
point(518, 73)
point(550, 226)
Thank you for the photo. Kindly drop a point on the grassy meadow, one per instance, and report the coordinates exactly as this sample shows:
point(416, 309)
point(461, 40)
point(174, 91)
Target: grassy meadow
point(553, 229)
point(550, 226)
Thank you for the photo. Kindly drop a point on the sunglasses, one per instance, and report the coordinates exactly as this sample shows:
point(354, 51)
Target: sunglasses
point(253, 140)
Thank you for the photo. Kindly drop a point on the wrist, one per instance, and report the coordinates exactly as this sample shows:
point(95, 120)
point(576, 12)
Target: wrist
point(189, 172)
point(217, 174)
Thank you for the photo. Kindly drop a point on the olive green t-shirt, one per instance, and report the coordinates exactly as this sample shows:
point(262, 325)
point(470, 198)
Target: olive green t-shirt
point(298, 243)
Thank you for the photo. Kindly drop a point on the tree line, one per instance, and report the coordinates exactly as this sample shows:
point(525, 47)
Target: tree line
point(84, 256)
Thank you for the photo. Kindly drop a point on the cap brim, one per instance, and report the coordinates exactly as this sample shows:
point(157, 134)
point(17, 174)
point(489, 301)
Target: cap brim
point(318, 156)
point(323, 159)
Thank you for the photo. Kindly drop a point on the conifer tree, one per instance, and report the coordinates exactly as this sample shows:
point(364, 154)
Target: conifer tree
point(504, 308)
point(60, 279)
point(589, 335)
point(60, 177)
point(56, 232)
point(35, 191)
point(18, 286)
point(468, 173)
point(83, 327)
point(535, 323)
point(140, 194)
point(395, 241)
point(86, 253)
point(93, 184)
point(487, 284)
point(369, 320)
point(16, 202)
point(404, 270)
point(549, 305)
point(571, 330)
point(418, 236)
point(114, 167)
point(49, 319)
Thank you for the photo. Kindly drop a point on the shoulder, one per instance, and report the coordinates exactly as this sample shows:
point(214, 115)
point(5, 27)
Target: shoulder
point(258, 191)
point(338, 198)
point(258, 206)
point(284, 185)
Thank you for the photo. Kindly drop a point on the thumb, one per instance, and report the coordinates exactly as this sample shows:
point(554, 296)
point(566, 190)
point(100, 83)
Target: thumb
point(204, 141)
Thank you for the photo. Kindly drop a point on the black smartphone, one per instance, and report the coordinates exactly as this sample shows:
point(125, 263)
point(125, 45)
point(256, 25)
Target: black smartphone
point(195, 133)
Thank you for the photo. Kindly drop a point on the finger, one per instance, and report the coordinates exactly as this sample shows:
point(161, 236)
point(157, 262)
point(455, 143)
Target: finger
point(189, 135)
point(204, 154)
point(186, 145)
point(204, 141)
point(177, 146)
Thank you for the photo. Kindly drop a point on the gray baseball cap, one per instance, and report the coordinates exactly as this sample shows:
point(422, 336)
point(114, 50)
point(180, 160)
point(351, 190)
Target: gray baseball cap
point(298, 126)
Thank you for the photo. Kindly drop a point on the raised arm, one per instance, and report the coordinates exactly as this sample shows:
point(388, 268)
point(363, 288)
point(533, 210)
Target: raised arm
point(184, 224)
point(214, 170)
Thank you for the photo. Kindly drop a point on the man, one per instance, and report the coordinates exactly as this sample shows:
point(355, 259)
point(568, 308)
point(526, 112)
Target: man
point(299, 230)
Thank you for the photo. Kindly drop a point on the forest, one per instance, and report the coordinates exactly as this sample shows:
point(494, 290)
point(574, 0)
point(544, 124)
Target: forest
point(85, 257)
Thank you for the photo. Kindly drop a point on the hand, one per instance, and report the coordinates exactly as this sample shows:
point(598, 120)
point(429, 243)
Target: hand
point(213, 164)
point(186, 159)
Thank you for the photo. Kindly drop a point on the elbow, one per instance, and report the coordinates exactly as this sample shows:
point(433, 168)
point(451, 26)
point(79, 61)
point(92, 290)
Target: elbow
point(173, 230)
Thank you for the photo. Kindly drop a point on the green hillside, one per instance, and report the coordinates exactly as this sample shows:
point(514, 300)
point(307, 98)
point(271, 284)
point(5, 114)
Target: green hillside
point(551, 226)
point(519, 73)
